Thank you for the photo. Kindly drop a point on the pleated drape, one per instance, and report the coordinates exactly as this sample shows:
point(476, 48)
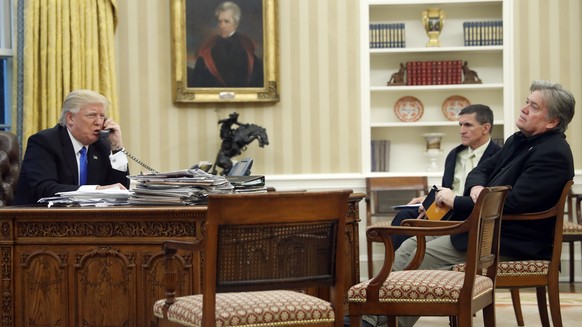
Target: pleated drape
point(67, 45)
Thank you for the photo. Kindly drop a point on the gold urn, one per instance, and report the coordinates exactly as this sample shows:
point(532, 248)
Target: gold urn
point(433, 20)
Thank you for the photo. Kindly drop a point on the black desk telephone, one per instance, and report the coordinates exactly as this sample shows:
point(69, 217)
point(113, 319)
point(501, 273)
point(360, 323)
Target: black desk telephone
point(242, 168)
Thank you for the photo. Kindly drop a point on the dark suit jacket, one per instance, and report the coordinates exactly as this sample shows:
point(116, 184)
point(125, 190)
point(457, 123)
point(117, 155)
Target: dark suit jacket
point(448, 177)
point(537, 168)
point(50, 166)
point(451, 161)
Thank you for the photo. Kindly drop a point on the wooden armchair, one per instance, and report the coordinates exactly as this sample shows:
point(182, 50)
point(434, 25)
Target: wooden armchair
point(417, 185)
point(541, 274)
point(437, 292)
point(258, 251)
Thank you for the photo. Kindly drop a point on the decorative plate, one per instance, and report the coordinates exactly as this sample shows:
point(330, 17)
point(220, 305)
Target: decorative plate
point(408, 109)
point(453, 105)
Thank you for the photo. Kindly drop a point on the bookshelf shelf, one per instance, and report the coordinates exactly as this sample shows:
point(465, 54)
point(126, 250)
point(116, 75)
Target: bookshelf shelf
point(485, 48)
point(491, 62)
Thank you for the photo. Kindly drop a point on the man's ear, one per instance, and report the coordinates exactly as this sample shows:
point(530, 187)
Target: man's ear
point(68, 117)
point(552, 123)
point(487, 127)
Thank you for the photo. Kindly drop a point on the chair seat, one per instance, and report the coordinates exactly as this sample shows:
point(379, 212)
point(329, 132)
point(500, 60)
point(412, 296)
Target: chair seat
point(267, 308)
point(572, 228)
point(422, 286)
point(517, 268)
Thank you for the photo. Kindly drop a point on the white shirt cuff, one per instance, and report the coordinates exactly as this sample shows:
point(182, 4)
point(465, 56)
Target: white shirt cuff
point(118, 161)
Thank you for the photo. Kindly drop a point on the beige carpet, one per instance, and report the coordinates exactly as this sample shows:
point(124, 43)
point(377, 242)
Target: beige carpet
point(571, 304)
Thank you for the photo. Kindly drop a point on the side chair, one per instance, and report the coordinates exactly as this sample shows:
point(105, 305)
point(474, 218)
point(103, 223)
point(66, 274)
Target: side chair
point(541, 274)
point(269, 259)
point(437, 292)
point(375, 215)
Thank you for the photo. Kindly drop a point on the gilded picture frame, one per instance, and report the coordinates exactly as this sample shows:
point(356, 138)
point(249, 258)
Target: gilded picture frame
point(196, 68)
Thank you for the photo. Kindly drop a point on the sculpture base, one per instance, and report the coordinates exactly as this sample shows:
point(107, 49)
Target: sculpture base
point(433, 156)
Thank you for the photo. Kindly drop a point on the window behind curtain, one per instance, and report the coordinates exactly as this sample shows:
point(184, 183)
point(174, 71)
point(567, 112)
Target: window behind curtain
point(6, 53)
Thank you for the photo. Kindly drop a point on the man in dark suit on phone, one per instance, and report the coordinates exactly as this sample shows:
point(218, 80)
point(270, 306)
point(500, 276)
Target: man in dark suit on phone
point(53, 158)
point(476, 124)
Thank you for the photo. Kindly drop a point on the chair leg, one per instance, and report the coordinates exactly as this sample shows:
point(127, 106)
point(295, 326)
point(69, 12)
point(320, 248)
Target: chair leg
point(571, 252)
point(489, 316)
point(464, 319)
point(370, 261)
point(355, 321)
point(517, 306)
point(543, 306)
point(392, 321)
point(554, 299)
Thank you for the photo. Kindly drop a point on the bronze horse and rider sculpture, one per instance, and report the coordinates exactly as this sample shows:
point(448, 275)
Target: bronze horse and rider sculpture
point(236, 140)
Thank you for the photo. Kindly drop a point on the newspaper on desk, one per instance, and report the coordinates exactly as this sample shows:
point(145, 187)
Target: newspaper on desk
point(97, 198)
point(187, 187)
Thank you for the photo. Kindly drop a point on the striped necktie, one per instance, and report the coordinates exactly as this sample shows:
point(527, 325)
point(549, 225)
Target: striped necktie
point(83, 166)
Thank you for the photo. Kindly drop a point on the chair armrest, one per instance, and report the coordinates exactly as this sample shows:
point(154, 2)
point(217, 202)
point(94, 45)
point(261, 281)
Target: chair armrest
point(171, 247)
point(428, 223)
point(532, 216)
point(171, 273)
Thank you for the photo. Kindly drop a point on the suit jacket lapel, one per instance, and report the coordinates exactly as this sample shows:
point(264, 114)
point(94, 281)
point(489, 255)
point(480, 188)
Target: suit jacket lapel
point(69, 154)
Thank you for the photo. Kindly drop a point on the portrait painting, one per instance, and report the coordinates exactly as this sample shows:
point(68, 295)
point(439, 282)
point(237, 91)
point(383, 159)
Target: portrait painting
point(224, 51)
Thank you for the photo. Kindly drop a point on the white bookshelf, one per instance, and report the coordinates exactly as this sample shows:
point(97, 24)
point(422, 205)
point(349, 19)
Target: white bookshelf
point(492, 63)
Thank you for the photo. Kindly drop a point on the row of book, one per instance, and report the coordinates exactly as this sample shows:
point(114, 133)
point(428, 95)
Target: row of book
point(380, 155)
point(387, 35)
point(434, 72)
point(478, 33)
point(483, 33)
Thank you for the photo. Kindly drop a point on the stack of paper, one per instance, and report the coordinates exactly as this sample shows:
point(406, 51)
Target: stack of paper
point(248, 184)
point(98, 198)
point(188, 186)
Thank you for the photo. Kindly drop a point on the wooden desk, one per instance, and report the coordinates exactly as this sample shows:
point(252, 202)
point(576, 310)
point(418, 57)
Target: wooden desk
point(103, 266)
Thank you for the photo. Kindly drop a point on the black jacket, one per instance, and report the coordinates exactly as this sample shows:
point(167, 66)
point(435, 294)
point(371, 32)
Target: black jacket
point(451, 161)
point(50, 166)
point(537, 168)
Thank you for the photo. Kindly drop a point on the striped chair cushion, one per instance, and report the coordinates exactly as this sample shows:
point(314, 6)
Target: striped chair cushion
point(251, 309)
point(422, 286)
point(517, 268)
point(572, 228)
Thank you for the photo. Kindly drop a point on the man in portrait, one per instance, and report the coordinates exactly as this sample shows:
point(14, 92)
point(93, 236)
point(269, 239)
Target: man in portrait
point(228, 58)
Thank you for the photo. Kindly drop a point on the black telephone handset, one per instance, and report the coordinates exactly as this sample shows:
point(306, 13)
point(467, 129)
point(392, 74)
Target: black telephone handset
point(242, 168)
point(104, 134)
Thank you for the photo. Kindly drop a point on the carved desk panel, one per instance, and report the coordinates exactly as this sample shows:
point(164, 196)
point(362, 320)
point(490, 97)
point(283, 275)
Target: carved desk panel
point(103, 266)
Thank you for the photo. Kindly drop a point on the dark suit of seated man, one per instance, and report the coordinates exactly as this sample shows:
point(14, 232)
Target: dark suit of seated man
point(476, 124)
point(536, 162)
point(51, 160)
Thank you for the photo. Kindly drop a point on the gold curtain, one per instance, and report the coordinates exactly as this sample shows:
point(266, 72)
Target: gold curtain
point(68, 45)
